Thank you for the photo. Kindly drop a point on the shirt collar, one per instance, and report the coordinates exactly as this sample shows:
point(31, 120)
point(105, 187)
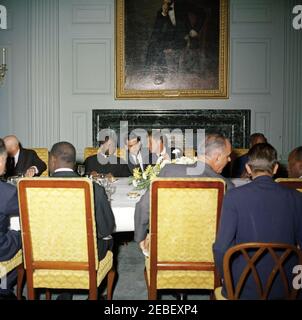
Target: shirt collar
point(63, 170)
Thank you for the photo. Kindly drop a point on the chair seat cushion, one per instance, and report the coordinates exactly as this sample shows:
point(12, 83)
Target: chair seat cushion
point(71, 279)
point(218, 294)
point(182, 279)
point(9, 265)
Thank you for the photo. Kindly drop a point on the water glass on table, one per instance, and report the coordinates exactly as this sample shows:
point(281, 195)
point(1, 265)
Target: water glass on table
point(81, 170)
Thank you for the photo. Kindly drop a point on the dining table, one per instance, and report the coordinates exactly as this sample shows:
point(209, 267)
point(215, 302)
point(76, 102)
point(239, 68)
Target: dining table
point(123, 202)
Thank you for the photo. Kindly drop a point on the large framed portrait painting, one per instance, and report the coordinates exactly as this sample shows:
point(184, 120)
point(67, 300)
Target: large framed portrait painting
point(171, 49)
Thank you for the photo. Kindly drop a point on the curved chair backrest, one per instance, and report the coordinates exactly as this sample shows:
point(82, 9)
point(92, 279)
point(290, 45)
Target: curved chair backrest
point(58, 225)
point(43, 155)
point(252, 253)
point(291, 183)
point(184, 219)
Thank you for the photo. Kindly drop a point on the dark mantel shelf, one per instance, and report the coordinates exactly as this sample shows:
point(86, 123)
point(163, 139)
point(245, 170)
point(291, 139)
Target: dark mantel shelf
point(234, 124)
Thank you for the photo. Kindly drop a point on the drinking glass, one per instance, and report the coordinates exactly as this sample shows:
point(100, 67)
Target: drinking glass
point(110, 190)
point(81, 170)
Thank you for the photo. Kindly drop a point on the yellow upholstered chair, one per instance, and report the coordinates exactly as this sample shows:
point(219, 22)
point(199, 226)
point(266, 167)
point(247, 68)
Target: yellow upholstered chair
point(184, 219)
point(291, 183)
point(237, 152)
point(90, 151)
point(43, 155)
point(252, 253)
point(9, 265)
point(190, 152)
point(59, 236)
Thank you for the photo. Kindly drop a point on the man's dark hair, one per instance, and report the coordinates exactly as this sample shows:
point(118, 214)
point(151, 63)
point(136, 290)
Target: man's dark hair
point(255, 136)
point(64, 151)
point(130, 136)
point(157, 135)
point(2, 147)
point(262, 157)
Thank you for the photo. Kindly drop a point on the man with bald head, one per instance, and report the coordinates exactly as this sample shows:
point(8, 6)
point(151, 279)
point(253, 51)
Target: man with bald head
point(22, 161)
point(216, 151)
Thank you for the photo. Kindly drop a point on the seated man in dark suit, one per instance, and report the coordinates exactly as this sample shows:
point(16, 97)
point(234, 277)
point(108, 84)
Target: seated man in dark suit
point(295, 163)
point(61, 164)
point(10, 240)
point(238, 170)
point(22, 161)
point(217, 150)
point(261, 211)
point(138, 155)
point(106, 162)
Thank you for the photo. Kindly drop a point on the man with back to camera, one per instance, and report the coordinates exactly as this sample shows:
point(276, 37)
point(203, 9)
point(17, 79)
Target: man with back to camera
point(261, 211)
point(210, 164)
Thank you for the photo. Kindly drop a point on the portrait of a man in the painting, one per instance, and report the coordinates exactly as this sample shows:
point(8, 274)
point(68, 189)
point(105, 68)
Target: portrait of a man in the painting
point(172, 45)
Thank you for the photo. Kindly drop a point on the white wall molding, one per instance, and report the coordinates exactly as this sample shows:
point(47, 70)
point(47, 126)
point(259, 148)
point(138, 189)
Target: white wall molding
point(43, 72)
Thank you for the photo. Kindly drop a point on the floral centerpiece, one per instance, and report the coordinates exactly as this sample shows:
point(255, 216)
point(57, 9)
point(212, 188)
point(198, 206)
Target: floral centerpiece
point(142, 180)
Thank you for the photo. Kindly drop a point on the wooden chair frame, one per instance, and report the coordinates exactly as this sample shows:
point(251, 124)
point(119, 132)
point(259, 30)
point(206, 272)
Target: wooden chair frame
point(290, 183)
point(156, 265)
point(31, 265)
point(261, 249)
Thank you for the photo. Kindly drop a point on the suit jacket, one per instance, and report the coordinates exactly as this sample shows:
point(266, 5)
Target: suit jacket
point(115, 166)
point(142, 208)
point(261, 211)
point(10, 240)
point(104, 218)
point(27, 159)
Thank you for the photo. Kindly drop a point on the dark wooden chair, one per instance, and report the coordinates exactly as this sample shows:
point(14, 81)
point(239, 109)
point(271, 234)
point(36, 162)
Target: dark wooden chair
point(291, 183)
point(184, 219)
point(252, 253)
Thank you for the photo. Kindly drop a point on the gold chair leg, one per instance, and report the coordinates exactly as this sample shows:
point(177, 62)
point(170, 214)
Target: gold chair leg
point(110, 282)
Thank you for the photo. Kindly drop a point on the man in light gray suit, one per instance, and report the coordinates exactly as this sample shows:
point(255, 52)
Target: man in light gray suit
point(216, 154)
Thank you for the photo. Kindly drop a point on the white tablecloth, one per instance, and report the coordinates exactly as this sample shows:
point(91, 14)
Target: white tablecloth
point(122, 206)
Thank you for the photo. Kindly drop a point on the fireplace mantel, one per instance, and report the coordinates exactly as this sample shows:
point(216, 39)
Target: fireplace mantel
point(234, 124)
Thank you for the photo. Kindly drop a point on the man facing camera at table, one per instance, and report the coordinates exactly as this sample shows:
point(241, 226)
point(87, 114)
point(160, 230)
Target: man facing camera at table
point(261, 211)
point(62, 160)
point(10, 240)
point(106, 162)
point(295, 163)
point(210, 163)
point(22, 161)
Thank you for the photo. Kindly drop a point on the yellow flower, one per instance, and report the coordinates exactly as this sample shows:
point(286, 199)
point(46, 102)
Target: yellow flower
point(137, 175)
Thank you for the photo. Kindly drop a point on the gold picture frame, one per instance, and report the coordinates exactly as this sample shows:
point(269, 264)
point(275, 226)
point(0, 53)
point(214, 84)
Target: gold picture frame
point(198, 68)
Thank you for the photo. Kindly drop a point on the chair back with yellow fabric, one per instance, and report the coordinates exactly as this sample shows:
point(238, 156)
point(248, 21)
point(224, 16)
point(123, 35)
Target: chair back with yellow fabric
point(43, 155)
point(291, 183)
point(253, 253)
point(183, 224)
point(190, 152)
point(58, 233)
point(90, 151)
point(237, 152)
